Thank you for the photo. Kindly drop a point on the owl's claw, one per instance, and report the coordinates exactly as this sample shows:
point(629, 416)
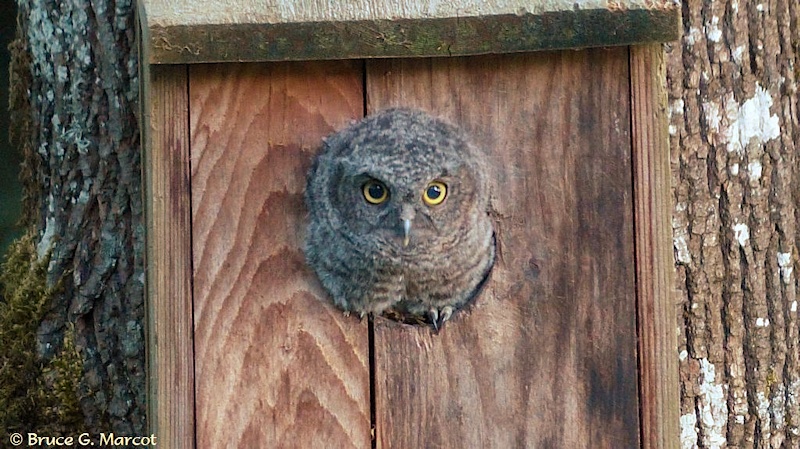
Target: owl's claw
point(361, 315)
point(434, 315)
point(447, 312)
point(438, 318)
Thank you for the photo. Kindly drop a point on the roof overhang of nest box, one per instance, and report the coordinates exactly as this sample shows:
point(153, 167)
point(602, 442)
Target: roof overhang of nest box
point(187, 31)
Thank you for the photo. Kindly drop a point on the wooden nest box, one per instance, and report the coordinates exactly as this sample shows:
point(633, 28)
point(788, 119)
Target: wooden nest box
point(572, 342)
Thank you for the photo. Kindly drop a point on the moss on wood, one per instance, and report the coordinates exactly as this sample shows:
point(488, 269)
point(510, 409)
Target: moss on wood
point(404, 37)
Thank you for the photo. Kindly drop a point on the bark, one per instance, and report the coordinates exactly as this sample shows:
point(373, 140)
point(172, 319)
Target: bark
point(732, 85)
point(85, 166)
point(734, 122)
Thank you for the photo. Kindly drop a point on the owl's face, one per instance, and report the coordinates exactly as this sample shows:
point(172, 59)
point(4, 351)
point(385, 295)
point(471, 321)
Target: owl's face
point(399, 217)
point(405, 192)
point(406, 211)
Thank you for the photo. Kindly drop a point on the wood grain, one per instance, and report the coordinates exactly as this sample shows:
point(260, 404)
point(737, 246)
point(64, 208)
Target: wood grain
point(276, 364)
point(168, 256)
point(184, 31)
point(658, 343)
point(181, 12)
point(547, 357)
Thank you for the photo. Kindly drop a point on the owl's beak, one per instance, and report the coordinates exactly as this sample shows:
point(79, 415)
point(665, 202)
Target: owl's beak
point(407, 216)
point(406, 231)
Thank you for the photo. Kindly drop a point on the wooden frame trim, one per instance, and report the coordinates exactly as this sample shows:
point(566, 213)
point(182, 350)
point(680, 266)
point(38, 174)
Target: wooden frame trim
point(166, 174)
point(409, 37)
point(658, 346)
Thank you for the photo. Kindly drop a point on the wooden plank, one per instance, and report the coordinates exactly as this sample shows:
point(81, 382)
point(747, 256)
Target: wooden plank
point(168, 259)
point(658, 344)
point(547, 357)
point(185, 31)
point(277, 365)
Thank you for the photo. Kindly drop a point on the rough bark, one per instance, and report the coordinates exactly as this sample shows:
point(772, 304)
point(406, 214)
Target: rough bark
point(732, 84)
point(85, 142)
point(734, 122)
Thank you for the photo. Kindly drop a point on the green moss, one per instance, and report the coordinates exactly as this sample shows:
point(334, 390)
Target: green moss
point(22, 286)
point(33, 395)
point(57, 389)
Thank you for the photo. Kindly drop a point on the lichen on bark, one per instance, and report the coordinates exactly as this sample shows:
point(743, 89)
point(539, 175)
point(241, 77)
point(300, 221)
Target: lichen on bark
point(733, 127)
point(76, 119)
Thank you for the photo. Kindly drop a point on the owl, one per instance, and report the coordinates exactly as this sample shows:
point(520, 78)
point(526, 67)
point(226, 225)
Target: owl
point(398, 218)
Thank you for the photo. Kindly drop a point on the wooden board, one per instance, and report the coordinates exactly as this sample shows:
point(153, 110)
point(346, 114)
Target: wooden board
point(547, 357)
point(658, 342)
point(276, 364)
point(165, 170)
point(186, 31)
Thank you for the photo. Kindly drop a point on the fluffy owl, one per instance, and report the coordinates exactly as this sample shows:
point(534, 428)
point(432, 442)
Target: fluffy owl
point(398, 218)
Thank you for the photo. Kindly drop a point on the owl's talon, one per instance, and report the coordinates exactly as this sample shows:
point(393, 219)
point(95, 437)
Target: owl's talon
point(447, 312)
point(434, 316)
point(346, 313)
point(439, 318)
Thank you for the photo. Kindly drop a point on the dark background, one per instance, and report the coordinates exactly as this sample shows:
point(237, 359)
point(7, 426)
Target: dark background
point(10, 188)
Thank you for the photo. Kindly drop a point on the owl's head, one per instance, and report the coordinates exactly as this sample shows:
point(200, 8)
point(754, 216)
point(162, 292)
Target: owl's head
point(399, 182)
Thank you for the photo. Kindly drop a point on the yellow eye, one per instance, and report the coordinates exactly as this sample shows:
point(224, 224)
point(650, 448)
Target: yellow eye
point(435, 193)
point(375, 192)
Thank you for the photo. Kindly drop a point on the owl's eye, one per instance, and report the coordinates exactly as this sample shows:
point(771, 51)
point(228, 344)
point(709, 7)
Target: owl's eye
point(435, 193)
point(375, 192)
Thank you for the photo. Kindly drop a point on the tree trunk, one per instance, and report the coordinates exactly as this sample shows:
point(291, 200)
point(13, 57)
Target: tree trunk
point(85, 188)
point(733, 127)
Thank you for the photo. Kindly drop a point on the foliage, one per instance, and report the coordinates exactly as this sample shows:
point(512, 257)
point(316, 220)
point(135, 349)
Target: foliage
point(34, 394)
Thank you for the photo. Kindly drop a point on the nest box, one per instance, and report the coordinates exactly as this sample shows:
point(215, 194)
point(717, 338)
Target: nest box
point(571, 343)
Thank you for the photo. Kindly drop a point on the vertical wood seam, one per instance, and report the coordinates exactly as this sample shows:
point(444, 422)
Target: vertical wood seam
point(190, 219)
point(373, 375)
point(643, 421)
point(658, 378)
point(171, 392)
point(276, 364)
point(546, 325)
